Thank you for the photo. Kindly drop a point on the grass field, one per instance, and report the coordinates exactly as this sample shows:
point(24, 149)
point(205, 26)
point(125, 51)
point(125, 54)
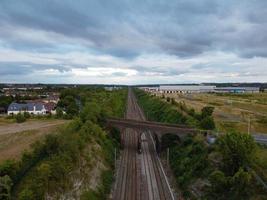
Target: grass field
point(232, 111)
point(13, 144)
point(4, 121)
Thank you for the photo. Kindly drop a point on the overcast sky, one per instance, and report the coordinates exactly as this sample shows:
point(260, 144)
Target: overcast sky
point(133, 42)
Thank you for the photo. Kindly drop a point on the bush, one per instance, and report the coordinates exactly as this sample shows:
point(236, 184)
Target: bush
point(173, 102)
point(59, 113)
point(230, 187)
point(89, 195)
point(26, 115)
point(207, 123)
point(168, 99)
point(26, 194)
point(157, 110)
point(20, 118)
point(189, 160)
point(5, 187)
point(207, 111)
point(237, 150)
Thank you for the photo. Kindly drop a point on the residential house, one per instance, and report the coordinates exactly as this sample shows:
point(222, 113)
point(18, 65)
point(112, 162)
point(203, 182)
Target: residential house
point(34, 108)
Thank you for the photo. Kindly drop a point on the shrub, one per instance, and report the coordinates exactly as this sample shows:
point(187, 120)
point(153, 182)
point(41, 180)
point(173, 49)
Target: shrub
point(26, 115)
point(5, 187)
point(237, 150)
point(168, 99)
point(207, 111)
point(59, 113)
point(230, 187)
point(20, 118)
point(207, 123)
point(26, 194)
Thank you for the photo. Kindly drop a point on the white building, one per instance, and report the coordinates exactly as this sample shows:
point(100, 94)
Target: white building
point(186, 88)
point(237, 90)
point(31, 108)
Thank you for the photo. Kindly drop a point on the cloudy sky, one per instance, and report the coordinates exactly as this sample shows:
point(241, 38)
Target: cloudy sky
point(133, 42)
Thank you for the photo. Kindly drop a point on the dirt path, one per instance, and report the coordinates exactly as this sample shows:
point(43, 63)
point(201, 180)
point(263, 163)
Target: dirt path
point(30, 125)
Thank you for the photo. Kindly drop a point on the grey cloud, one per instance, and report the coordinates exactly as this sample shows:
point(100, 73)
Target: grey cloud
point(118, 74)
point(26, 68)
point(127, 28)
point(163, 71)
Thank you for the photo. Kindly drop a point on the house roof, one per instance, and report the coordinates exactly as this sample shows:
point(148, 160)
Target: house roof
point(50, 106)
point(25, 107)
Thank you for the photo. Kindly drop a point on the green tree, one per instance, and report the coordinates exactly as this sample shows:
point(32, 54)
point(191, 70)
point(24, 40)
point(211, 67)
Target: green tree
point(5, 101)
point(207, 123)
point(26, 115)
point(237, 150)
point(59, 112)
point(219, 185)
point(241, 183)
point(72, 109)
point(207, 111)
point(5, 187)
point(230, 187)
point(20, 118)
point(8, 167)
point(26, 194)
point(91, 112)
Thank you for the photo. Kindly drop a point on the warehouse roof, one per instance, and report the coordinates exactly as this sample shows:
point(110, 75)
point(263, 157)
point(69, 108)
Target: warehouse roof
point(187, 87)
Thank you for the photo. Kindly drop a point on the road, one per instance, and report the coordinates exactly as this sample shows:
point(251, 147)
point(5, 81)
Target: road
point(140, 176)
point(260, 138)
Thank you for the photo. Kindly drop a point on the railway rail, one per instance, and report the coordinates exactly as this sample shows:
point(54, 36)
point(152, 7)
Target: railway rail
point(140, 176)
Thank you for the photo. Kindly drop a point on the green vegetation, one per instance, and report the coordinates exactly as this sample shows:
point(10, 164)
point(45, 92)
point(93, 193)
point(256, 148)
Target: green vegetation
point(20, 118)
point(224, 170)
point(5, 101)
point(48, 167)
point(232, 179)
point(158, 110)
point(68, 103)
point(189, 161)
point(103, 190)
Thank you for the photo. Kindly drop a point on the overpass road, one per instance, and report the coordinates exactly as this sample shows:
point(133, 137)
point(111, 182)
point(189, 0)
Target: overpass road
point(140, 176)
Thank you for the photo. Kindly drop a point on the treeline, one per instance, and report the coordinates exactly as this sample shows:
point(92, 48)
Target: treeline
point(173, 112)
point(72, 101)
point(46, 169)
point(5, 101)
point(223, 170)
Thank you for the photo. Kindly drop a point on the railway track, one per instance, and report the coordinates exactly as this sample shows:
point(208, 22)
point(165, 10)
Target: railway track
point(140, 176)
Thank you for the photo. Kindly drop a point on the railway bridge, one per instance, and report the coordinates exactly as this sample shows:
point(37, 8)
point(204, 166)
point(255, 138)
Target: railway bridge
point(158, 129)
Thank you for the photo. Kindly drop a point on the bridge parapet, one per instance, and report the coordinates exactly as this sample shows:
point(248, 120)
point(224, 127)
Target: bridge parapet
point(159, 129)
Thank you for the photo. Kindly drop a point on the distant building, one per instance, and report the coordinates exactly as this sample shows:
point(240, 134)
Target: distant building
point(34, 108)
point(111, 88)
point(186, 88)
point(51, 98)
point(149, 89)
point(237, 90)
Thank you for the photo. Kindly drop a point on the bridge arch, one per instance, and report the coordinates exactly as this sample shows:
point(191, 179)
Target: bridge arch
point(157, 129)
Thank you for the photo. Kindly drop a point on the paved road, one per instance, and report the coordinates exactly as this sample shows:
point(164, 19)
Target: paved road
point(140, 176)
point(260, 138)
point(29, 125)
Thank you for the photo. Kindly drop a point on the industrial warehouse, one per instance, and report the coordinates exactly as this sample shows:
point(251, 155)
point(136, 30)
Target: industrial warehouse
point(187, 89)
